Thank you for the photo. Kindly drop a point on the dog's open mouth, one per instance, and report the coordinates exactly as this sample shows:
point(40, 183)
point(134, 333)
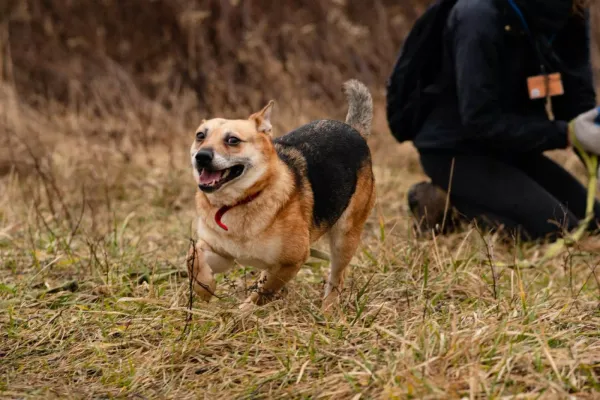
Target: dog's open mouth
point(210, 181)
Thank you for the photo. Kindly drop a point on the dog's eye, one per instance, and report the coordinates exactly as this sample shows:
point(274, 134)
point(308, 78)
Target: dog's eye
point(232, 141)
point(200, 135)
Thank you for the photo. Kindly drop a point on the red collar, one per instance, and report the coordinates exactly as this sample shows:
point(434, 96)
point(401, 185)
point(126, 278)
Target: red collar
point(224, 209)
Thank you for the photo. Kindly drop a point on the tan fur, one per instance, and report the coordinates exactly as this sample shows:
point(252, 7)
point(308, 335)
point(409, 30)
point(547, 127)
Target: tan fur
point(345, 235)
point(360, 107)
point(275, 230)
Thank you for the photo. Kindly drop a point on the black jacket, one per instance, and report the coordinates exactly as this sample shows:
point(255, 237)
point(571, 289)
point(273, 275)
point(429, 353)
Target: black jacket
point(484, 105)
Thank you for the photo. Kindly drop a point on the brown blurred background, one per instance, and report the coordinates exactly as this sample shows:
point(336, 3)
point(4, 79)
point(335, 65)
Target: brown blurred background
point(99, 100)
point(120, 74)
point(229, 55)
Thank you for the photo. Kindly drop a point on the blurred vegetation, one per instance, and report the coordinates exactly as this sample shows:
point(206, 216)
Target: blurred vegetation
point(229, 54)
point(99, 100)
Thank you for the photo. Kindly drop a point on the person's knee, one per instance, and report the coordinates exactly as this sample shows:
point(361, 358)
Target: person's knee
point(553, 228)
point(430, 207)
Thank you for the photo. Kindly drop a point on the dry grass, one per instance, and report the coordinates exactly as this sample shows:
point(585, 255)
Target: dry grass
point(94, 304)
point(96, 214)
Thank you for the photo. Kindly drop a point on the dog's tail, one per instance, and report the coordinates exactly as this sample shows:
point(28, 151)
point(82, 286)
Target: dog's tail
point(360, 107)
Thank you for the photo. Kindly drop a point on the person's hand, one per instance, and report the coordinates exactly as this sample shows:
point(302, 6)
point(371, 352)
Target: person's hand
point(584, 132)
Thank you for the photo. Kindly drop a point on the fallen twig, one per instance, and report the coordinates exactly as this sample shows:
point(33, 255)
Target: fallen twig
point(71, 286)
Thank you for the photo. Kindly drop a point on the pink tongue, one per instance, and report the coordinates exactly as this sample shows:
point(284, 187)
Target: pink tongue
point(208, 177)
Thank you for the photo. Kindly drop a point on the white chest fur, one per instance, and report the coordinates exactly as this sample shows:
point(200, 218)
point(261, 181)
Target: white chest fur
point(243, 242)
point(249, 238)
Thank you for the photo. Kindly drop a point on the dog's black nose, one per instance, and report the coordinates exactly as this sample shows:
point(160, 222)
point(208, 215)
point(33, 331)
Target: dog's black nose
point(204, 157)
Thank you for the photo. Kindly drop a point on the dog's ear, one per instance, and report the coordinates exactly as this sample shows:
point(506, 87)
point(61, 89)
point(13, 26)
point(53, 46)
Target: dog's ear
point(263, 119)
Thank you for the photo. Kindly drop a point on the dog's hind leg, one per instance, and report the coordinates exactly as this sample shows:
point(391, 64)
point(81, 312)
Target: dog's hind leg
point(344, 238)
point(343, 243)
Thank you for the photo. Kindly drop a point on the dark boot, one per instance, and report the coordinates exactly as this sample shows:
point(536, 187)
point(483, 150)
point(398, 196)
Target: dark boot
point(427, 204)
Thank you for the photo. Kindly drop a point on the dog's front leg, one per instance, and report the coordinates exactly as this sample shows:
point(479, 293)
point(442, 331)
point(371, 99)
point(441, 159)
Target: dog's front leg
point(269, 283)
point(202, 264)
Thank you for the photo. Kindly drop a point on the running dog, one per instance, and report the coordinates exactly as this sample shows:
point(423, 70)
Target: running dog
point(264, 201)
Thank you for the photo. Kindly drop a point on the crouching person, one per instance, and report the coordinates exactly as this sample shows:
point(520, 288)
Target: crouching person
point(483, 89)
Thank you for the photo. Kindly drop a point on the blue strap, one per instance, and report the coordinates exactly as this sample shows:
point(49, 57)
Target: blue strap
point(524, 21)
point(535, 43)
point(520, 15)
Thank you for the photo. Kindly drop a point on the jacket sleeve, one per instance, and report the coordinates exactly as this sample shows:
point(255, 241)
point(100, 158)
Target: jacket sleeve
point(574, 51)
point(477, 52)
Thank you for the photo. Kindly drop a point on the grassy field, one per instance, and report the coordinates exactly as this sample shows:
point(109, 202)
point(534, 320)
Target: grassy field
point(95, 303)
point(96, 216)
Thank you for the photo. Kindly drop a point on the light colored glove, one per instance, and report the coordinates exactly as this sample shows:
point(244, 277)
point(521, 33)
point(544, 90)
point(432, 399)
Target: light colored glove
point(584, 132)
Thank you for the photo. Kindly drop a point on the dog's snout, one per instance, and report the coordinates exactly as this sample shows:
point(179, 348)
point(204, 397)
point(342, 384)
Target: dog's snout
point(204, 157)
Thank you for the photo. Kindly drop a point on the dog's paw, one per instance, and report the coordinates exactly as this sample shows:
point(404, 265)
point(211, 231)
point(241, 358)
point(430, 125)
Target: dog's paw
point(331, 304)
point(205, 291)
point(247, 308)
point(251, 301)
point(333, 313)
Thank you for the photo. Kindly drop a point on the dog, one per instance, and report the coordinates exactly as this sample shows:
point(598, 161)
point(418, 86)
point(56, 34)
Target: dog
point(263, 201)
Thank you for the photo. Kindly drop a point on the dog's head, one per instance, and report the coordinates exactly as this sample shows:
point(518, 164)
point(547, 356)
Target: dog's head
point(230, 156)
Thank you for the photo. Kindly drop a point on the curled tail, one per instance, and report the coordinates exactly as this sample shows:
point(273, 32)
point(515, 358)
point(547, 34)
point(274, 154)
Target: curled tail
point(360, 107)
